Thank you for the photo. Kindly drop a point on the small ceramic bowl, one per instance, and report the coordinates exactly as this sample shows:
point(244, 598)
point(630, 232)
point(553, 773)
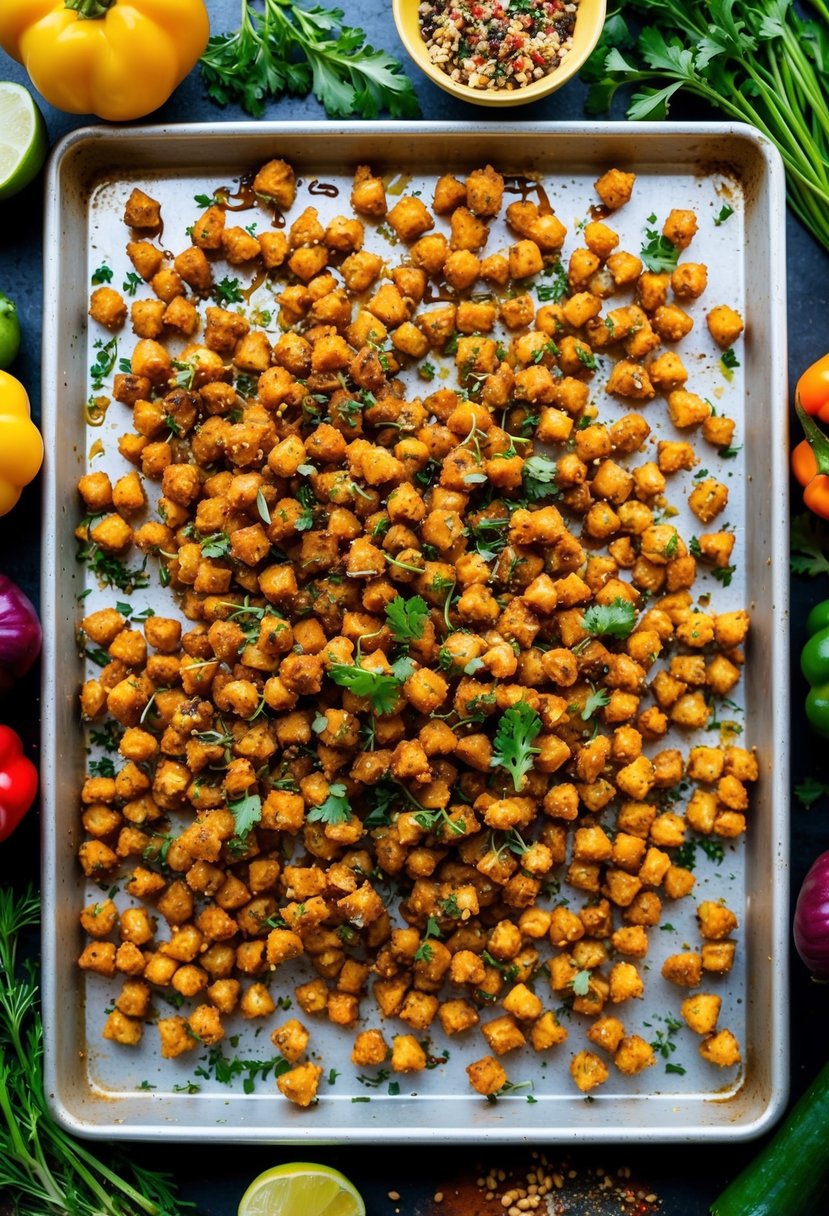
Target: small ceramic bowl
point(589, 25)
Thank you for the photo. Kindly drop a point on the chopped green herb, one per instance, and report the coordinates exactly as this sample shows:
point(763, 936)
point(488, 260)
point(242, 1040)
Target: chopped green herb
point(513, 751)
point(104, 362)
point(380, 688)
point(407, 618)
point(581, 983)
point(247, 811)
point(538, 478)
point(131, 283)
point(658, 253)
point(808, 791)
point(227, 291)
point(610, 620)
point(215, 545)
point(335, 809)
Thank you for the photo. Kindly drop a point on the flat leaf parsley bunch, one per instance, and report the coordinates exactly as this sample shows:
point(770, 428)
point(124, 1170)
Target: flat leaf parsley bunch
point(284, 48)
point(755, 60)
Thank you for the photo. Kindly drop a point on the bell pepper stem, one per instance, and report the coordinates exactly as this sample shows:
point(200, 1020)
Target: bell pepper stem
point(815, 437)
point(89, 10)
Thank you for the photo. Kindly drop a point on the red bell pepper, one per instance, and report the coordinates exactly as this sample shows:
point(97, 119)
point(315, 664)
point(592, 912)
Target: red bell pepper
point(18, 781)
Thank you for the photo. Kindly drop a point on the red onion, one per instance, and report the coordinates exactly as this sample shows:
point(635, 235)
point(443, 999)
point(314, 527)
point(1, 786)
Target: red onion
point(811, 919)
point(20, 633)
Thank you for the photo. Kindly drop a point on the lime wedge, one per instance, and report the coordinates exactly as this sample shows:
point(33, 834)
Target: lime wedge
point(23, 141)
point(299, 1188)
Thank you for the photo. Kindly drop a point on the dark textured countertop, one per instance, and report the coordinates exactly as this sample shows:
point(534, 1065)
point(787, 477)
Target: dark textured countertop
point(686, 1178)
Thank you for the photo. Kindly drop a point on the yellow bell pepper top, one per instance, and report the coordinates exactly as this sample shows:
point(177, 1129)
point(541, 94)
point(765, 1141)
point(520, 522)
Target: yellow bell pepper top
point(21, 447)
point(118, 59)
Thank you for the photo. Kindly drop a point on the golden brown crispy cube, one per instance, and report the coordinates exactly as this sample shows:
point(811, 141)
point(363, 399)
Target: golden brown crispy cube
point(587, 1069)
point(486, 1075)
point(701, 1012)
point(300, 1084)
point(721, 1049)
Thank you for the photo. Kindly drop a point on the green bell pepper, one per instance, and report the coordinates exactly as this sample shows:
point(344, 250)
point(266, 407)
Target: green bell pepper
point(814, 663)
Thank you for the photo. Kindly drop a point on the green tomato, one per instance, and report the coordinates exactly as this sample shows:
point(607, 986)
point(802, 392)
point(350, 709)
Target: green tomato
point(9, 332)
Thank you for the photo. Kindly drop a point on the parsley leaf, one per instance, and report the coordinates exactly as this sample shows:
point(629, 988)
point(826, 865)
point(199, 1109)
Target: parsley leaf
point(560, 285)
point(514, 738)
point(658, 253)
point(729, 360)
point(102, 275)
point(808, 791)
point(723, 574)
point(613, 620)
point(215, 545)
point(407, 618)
point(104, 362)
point(335, 809)
point(227, 291)
point(131, 283)
point(295, 50)
point(379, 687)
point(489, 536)
point(581, 983)
point(597, 698)
point(247, 811)
point(723, 214)
point(807, 556)
point(538, 476)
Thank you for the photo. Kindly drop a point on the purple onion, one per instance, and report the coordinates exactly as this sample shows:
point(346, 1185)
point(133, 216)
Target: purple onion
point(20, 633)
point(811, 919)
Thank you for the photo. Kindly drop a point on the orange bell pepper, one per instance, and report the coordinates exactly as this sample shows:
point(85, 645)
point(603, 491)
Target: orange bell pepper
point(810, 459)
point(813, 390)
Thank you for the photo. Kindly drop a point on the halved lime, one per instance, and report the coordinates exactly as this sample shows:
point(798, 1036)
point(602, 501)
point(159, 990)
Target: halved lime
point(301, 1188)
point(23, 140)
point(9, 332)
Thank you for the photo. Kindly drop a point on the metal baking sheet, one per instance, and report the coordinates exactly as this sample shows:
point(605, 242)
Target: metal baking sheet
point(99, 1089)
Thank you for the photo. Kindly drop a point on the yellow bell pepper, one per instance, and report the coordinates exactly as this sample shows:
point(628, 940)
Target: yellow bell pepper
point(119, 59)
point(21, 447)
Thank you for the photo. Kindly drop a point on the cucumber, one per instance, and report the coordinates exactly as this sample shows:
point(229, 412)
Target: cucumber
point(785, 1178)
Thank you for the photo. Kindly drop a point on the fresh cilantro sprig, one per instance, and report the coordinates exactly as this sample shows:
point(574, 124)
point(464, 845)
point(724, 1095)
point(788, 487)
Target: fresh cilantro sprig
point(215, 545)
point(809, 790)
point(407, 618)
point(379, 687)
point(614, 620)
point(514, 740)
point(284, 48)
point(227, 291)
point(580, 983)
point(657, 252)
point(335, 809)
point(597, 699)
point(489, 535)
point(807, 544)
point(247, 811)
point(538, 478)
